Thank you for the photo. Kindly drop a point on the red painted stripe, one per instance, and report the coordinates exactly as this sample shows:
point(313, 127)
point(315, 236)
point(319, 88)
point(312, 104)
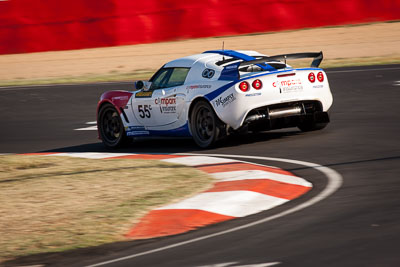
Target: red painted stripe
point(147, 156)
point(241, 167)
point(171, 222)
point(263, 186)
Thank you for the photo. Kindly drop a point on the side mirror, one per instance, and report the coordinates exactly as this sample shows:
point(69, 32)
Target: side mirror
point(142, 85)
point(139, 85)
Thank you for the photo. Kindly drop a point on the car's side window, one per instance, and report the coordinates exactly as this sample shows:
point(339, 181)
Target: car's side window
point(178, 77)
point(169, 77)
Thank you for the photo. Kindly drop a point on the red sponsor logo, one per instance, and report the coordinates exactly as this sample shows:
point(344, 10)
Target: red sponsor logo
point(201, 86)
point(286, 83)
point(165, 101)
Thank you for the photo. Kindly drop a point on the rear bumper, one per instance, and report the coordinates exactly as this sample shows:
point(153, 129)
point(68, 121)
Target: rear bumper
point(285, 115)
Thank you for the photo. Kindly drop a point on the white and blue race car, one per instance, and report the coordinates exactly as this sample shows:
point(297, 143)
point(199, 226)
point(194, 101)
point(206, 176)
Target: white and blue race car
point(210, 95)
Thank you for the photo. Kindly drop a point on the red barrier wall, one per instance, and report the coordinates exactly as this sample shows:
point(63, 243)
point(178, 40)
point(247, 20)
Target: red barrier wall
point(43, 25)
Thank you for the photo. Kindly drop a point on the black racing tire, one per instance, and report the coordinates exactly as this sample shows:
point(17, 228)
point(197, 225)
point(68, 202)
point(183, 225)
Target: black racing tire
point(204, 124)
point(111, 128)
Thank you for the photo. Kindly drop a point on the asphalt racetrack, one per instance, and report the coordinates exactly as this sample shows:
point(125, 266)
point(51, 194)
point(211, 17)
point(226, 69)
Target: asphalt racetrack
point(359, 225)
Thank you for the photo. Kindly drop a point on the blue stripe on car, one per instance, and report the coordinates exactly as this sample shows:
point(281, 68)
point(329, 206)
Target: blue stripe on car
point(217, 92)
point(238, 55)
point(230, 72)
point(182, 131)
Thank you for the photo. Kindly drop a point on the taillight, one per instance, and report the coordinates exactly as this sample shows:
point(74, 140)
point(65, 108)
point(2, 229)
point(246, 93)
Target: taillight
point(311, 77)
point(244, 86)
point(320, 76)
point(257, 84)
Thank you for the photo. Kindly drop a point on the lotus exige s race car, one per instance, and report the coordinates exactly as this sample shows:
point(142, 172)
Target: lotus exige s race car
point(207, 96)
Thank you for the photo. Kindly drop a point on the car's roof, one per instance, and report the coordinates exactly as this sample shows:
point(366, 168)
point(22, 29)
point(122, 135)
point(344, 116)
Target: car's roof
point(217, 60)
point(208, 58)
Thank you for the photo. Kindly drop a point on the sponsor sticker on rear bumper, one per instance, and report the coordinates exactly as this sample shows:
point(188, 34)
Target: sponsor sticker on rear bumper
point(289, 86)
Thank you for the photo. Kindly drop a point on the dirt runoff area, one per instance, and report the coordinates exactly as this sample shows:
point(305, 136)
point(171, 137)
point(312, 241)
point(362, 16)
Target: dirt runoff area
point(377, 43)
point(53, 204)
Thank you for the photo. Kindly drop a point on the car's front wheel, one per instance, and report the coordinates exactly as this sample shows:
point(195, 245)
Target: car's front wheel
point(204, 125)
point(110, 127)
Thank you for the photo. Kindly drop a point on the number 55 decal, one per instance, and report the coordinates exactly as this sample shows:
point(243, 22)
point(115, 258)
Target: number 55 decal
point(144, 111)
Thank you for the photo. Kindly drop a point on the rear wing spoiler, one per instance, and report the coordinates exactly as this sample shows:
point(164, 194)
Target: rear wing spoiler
point(317, 56)
point(231, 71)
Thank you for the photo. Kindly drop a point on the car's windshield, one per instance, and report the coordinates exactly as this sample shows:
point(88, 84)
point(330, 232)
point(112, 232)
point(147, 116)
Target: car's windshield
point(169, 77)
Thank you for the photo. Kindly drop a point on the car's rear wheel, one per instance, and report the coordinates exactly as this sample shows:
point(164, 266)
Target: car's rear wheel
point(110, 127)
point(204, 125)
